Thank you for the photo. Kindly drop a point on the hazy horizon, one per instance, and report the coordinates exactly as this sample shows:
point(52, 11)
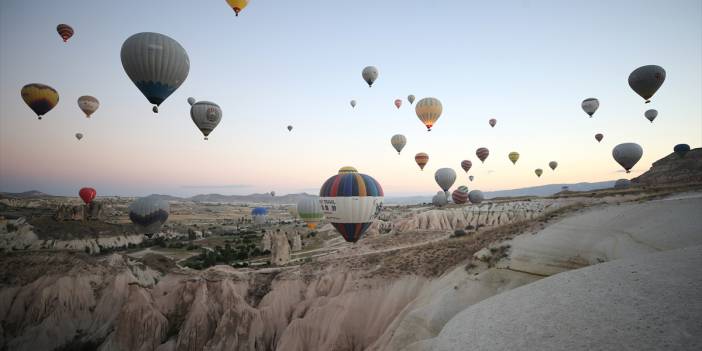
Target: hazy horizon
point(528, 64)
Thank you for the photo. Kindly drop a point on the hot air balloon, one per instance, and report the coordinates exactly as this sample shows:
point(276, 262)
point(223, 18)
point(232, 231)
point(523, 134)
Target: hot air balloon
point(445, 178)
point(599, 137)
point(351, 201)
point(40, 98)
point(259, 215)
point(421, 159)
point(353, 103)
point(410, 98)
point(627, 155)
point(428, 110)
point(590, 105)
point(79, 136)
point(482, 154)
point(310, 211)
point(87, 194)
point(470, 177)
point(65, 31)
point(290, 128)
point(513, 156)
point(439, 199)
point(553, 165)
point(88, 104)
point(492, 122)
point(460, 195)
point(370, 74)
point(237, 5)
point(539, 172)
point(149, 213)
point(651, 115)
point(476, 196)
point(398, 103)
point(466, 165)
point(272, 193)
point(646, 80)
point(191, 101)
point(347, 169)
point(681, 150)
point(156, 63)
point(206, 116)
point(398, 141)
point(622, 183)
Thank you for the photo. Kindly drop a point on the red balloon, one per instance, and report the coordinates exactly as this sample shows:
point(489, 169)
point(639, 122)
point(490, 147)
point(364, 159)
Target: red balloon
point(492, 122)
point(87, 194)
point(398, 103)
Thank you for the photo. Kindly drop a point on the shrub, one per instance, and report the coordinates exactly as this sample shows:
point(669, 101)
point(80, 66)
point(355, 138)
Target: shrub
point(459, 232)
point(11, 227)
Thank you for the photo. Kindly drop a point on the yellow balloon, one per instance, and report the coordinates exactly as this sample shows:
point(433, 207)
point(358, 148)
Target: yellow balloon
point(347, 169)
point(428, 110)
point(513, 156)
point(40, 98)
point(237, 5)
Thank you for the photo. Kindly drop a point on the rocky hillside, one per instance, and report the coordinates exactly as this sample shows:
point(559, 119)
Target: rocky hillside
point(673, 169)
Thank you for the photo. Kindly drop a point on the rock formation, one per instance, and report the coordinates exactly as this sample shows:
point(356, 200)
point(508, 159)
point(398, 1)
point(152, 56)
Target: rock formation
point(673, 169)
point(266, 241)
point(92, 211)
point(296, 243)
point(280, 249)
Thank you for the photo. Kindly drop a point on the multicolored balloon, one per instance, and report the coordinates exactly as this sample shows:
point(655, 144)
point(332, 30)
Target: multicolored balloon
point(553, 165)
point(476, 196)
point(87, 194)
point(590, 106)
point(466, 165)
point(428, 110)
point(398, 141)
point(445, 177)
point(370, 74)
point(492, 122)
point(410, 98)
point(599, 137)
point(460, 195)
point(351, 201)
point(237, 5)
point(646, 80)
point(398, 103)
point(681, 150)
point(539, 172)
point(310, 211)
point(206, 116)
point(627, 155)
point(651, 115)
point(79, 136)
point(40, 98)
point(513, 156)
point(149, 213)
point(88, 104)
point(421, 159)
point(65, 31)
point(259, 215)
point(482, 154)
point(156, 63)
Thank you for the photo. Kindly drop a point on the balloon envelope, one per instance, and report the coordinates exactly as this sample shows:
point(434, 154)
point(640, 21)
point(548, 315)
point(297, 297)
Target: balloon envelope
point(599, 137)
point(290, 128)
point(539, 172)
point(79, 136)
point(590, 105)
point(471, 178)
point(681, 150)
point(460, 195)
point(398, 141)
point(421, 159)
point(237, 5)
point(156, 63)
point(206, 116)
point(370, 74)
point(88, 104)
point(482, 153)
point(553, 165)
point(428, 111)
point(492, 122)
point(466, 165)
point(353, 103)
point(351, 201)
point(445, 178)
point(439, 199)
point(410, 98)
point(259, 215)
point(310, 211)
point(40, 98)
point(87, 194)
point(476, 196)
point(398, 103)
point(347, 169)
point(627, 155)
point(651, 115)
point(646, 80)
point(149, 213)
point(513, 156)
point(65, 31)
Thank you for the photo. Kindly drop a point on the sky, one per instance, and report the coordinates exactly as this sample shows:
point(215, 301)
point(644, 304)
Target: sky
point(529, 64)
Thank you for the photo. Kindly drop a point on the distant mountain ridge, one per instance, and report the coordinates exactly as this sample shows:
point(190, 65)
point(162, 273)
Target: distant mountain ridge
point(26, 194)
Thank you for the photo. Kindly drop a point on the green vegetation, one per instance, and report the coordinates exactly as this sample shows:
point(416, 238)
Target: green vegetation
point(233, 255)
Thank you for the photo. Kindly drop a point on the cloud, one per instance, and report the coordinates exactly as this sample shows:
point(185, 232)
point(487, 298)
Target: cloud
point(224, 186)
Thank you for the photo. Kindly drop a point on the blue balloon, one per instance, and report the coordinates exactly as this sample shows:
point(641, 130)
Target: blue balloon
point(681, 149)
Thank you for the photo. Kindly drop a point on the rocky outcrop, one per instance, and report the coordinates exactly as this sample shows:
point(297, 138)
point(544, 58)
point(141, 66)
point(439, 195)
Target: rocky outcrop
point(296, 243)
point(674, 169)
point(280, 249)
point(91, 211)
point(266, 241)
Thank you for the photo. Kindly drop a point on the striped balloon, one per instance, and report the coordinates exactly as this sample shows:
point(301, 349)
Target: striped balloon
point(421, 159)
point(466, 165)
point(492, 122)
point(428, 110)
point(482, 154)
point(460, 195)
point(156, 63)
point(310, 211)
point(65, 31)
point(351, 201)
point(398, 141)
